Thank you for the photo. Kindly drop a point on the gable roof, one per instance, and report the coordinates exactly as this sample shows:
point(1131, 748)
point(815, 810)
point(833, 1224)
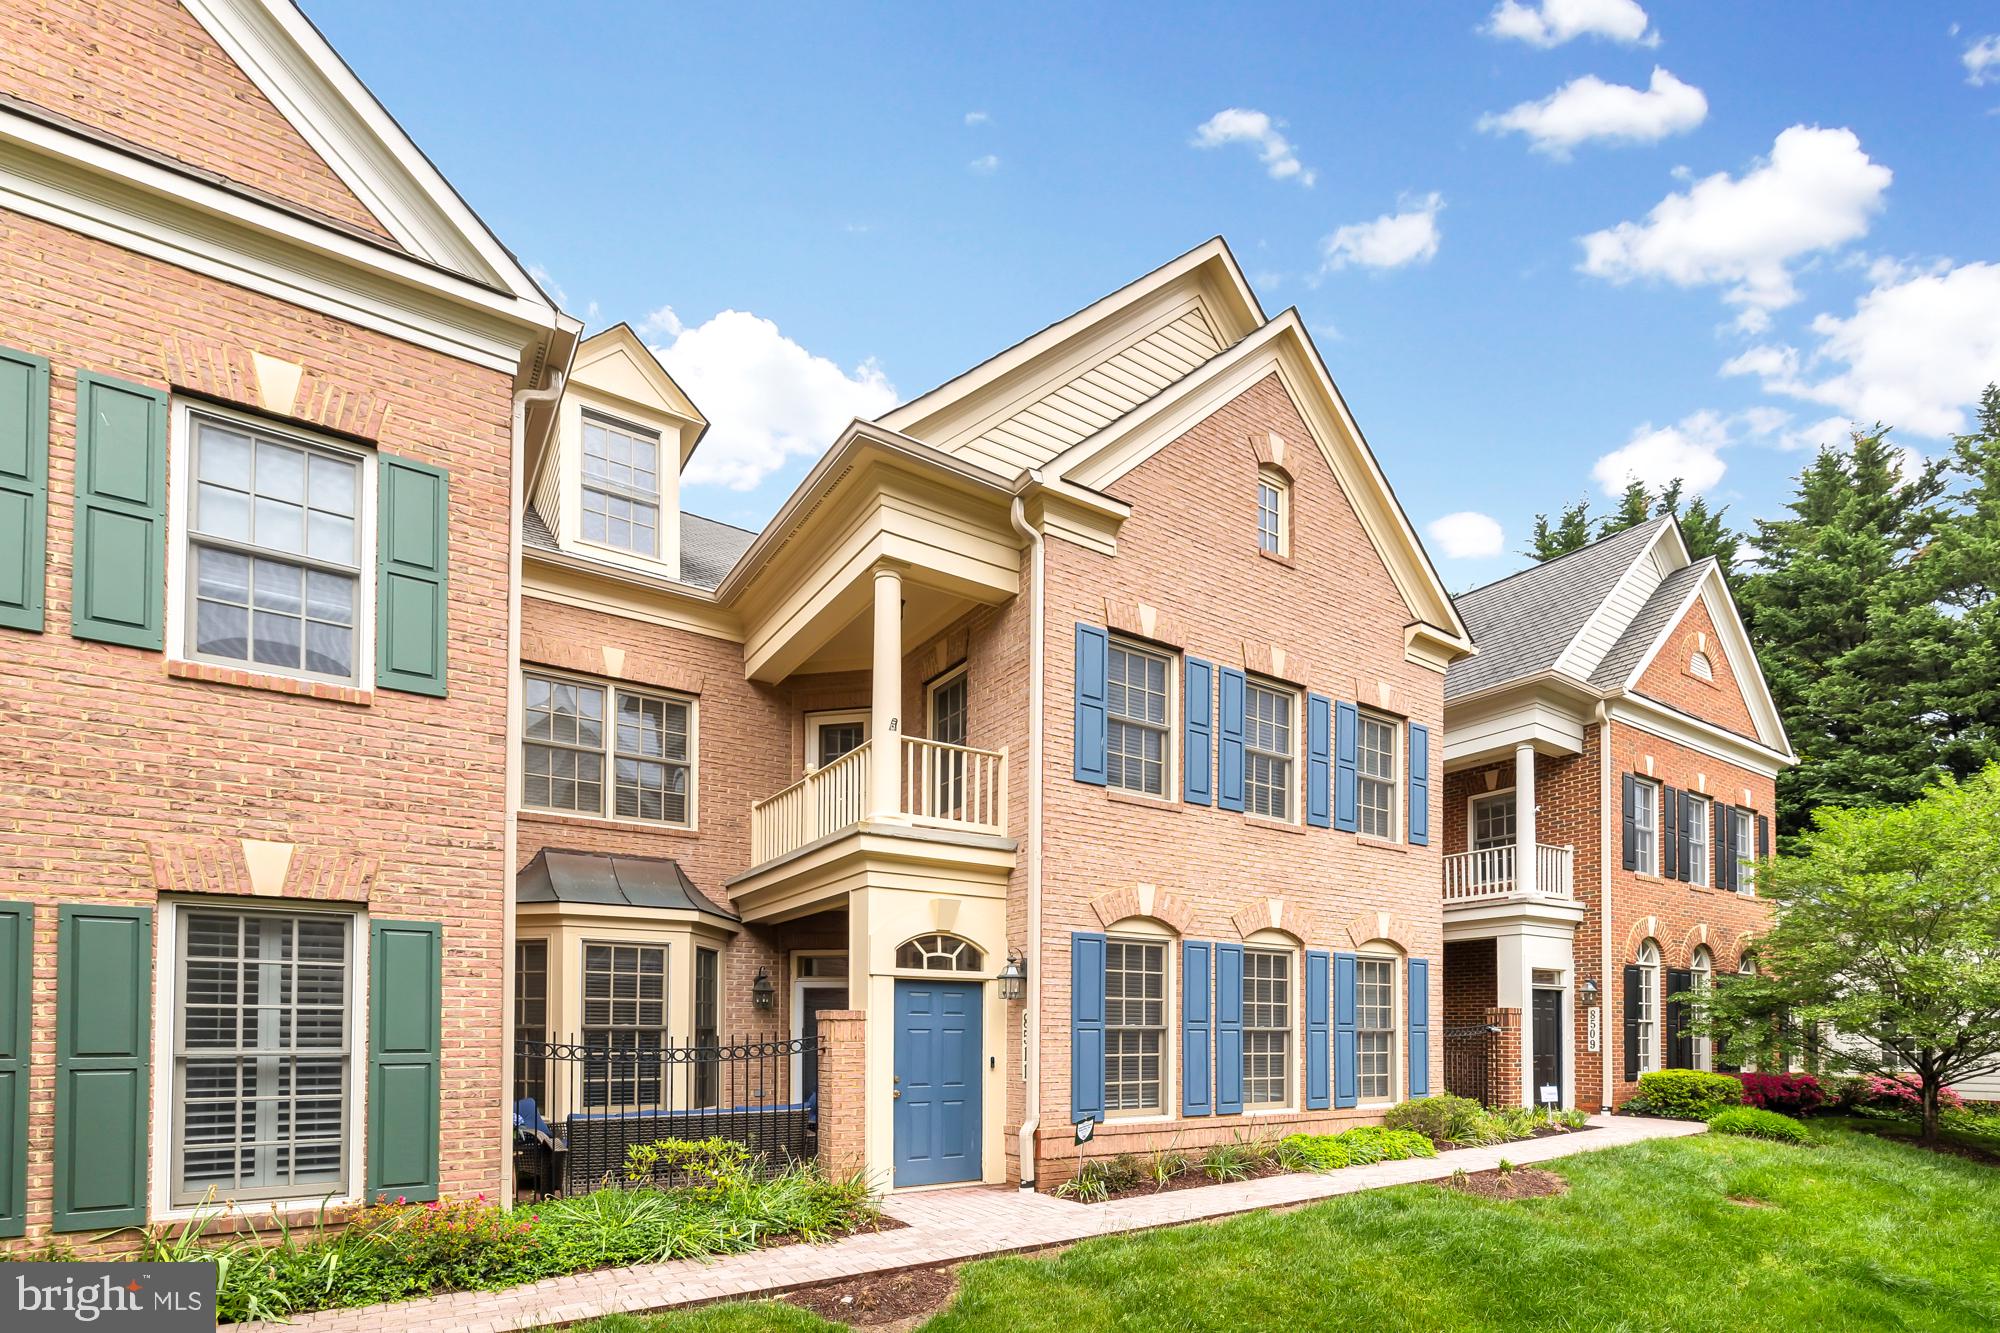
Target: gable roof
point(1662, 611)
point(617, 362)
point(1523, 623)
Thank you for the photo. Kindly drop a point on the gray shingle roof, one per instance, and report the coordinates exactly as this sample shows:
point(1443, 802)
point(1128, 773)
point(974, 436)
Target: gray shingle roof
point(709, 550)
point(557, 876)
point(1646, 626)
point(1523, 622)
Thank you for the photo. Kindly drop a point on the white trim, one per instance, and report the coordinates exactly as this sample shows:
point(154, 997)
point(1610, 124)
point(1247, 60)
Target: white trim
point(1295, 774)
point(1643, 714)
point(1149, 932)
point(1398, 779)
point(180, 528)
point(1572, 661)
point(166, 962)
point(830, 717)
point(1472, 815)
point(1170, 768)
point(1737, 651)
point(612, 688)
point(1399, 1041)
point(800, 985)
point(937, 684)
point(1295, 989)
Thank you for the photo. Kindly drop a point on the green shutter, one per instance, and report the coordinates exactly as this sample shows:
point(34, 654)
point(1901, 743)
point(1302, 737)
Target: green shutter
point(24, 494)
point(118, 586)
point(405, 1016)
point(104, 992)
point(17, 949)
point(410, 579)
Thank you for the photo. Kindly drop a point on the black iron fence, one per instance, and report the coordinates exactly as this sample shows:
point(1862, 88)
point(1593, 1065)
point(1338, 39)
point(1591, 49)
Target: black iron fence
point(1466, 1057)
point(581, 1104)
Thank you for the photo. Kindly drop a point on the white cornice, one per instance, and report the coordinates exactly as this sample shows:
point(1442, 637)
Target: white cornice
point(1638, 711)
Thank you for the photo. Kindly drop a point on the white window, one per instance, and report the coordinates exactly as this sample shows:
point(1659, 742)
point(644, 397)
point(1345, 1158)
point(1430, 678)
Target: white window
point(831, 735)
point(275, 549)
point(262, 1078)
point(1493, 821)
point(1375, 771)
point(1375, 1028)
point(621, 486)
point(1136, 684)
point(1274, 495)
point(1135, 1024)
point(624, 1023)
point(940, 953)
point(1267, 1027)
point(1267, 750)
point(1646, 826)
point(568, 751)
point(1646, 1022)
point(1697, 831)
point(1702, 975)
point(1746, 850)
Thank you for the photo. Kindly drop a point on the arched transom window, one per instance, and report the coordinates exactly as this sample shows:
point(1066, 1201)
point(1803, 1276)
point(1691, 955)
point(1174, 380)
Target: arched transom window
point(940, 953)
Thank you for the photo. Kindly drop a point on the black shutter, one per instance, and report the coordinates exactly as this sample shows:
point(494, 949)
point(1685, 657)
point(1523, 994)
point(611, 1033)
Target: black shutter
point(1725, 866)
point(1680, 1037)
point(1690, 809)
point(1763, 838)
point(1631, 828)
point(1634, 979)
point(1670, 824)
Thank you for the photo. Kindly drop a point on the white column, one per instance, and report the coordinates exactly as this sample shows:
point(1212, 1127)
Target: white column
point(885, 722)
point(1514, 962)
point(1524, 819)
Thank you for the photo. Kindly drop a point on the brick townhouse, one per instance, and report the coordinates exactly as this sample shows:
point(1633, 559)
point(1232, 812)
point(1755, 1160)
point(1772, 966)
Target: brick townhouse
point(1610, 758)
point(259, 438)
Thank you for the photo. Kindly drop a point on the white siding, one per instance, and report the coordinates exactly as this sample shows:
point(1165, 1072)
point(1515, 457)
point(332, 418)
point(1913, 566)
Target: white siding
point(547, 498)
point(1608, 622)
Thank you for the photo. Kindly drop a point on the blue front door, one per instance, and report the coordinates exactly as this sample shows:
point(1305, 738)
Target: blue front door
point(937, 1089)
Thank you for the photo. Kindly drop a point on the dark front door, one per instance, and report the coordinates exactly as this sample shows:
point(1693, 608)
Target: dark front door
point(1547, 1035)
point(936, 1095)
point(816, 999)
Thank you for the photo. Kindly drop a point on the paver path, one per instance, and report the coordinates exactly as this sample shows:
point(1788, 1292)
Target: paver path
point(945, 1225)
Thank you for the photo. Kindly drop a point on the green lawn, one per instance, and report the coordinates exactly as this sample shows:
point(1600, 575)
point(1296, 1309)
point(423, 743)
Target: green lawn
point(1858, 1233)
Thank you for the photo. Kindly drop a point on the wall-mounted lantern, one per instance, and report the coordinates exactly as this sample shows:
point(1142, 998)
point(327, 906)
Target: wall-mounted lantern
point(762, 993)
point(1014, 978)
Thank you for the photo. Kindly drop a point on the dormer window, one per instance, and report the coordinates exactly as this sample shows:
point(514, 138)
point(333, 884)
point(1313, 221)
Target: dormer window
point(1273, 522)
point(621, 486)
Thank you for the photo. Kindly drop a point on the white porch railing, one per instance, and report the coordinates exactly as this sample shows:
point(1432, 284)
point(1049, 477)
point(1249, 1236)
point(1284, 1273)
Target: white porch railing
point(1489, 873)
point(939, 785)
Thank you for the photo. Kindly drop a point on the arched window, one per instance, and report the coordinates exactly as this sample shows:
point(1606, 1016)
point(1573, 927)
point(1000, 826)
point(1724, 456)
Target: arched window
point(940, 953)
point(1703, 976)
point(1700, 667)
point(1646, 1021)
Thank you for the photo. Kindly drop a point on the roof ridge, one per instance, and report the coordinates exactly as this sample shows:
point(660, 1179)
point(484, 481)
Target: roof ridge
point(1581, 550)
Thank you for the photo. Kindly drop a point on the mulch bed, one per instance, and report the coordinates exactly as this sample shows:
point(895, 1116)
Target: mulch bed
point(1196, 1179)
point(905, 1298)
point(882, 1222)
point(1523, 1182)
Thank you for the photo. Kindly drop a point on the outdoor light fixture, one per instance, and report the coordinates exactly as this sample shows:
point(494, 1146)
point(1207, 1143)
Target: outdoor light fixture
point(762, 993)
point(1014, 978)
point(1589, 992)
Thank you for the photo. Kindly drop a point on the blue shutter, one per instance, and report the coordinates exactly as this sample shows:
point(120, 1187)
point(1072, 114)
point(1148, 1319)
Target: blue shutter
point(1420, 1027)
point(1198, 729)
point(1229, 1029)
point(1196, 1097)
point(1086, 1027)
point(1420, 785)
point(1229, 753)
point(1344, 1074)
point(1346, 791)
point(1319, 1046)
point(1092, 653)
point(1319, 760)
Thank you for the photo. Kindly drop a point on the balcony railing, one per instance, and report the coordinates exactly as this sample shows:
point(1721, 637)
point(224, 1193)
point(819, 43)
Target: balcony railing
point(938, 785)
point(1489, 873)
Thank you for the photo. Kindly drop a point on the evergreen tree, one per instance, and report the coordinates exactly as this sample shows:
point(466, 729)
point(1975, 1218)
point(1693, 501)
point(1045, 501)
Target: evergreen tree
point(1705, 530)
point(1570, 532)
point(1960, 573)
point(1635, 506)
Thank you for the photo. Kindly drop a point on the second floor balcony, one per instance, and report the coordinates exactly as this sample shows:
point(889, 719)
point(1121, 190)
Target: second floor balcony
point(936, 785)
point(1490, 873)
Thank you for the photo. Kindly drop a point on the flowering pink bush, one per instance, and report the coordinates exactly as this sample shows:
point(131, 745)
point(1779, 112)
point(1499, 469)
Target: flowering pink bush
point(1903, 1094)
point(1791, 1094)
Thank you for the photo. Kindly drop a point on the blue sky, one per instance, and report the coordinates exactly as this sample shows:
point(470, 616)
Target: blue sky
point(1541, 247)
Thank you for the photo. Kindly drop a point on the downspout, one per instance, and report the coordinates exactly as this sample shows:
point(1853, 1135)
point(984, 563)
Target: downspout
point(1032, 1107)
point(510, 840)
point(1601, 714)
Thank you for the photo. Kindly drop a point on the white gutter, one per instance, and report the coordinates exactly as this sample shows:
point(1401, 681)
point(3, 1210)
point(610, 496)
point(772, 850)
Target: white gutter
point(1601, 714)
point(1032, 1117)
point(510, 839)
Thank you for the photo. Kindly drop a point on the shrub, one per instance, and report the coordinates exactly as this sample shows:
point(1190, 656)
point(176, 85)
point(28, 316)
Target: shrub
point(1445, 1119)
point(1792, 1094)
point(1230, 1161)
point(1756, 1123)
point(1086, 1186)
point(1900, 1095)
point(722, 1163)
point(1688, 1094)
point(1354, 1147)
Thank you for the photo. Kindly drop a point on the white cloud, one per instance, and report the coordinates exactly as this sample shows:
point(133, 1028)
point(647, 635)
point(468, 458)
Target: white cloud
point(1689, 450)
point(1467, 535)
point(768, 399)
point(1390, 241)
point(1914, 354)
point(1982, 61)
point(1553, 22)
point(1816, 192)
point(977, 118)
point(661, 323)
point(984, 166)
point(1240, 125)
point(1589, 108)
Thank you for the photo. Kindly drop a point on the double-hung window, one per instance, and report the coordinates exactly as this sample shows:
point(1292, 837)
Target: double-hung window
point(1136, 729)
point(531, 1021)
point(1273, 523)
point(1375, 773)
point(1135, 1024)
point(275, 551)
point(1267, 750)
point(621, 486)
point(624, 1023)
point(1375, 1028)
point(262, 1054)
point(1697, 831)
point(1646, 826)
point(1646, 1021)
point(1267, 1027)
point(1746, 849)
point(707, 1026)
point(571, 756)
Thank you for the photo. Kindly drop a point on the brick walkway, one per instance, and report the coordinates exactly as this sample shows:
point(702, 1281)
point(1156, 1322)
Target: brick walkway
point(944, 1226)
